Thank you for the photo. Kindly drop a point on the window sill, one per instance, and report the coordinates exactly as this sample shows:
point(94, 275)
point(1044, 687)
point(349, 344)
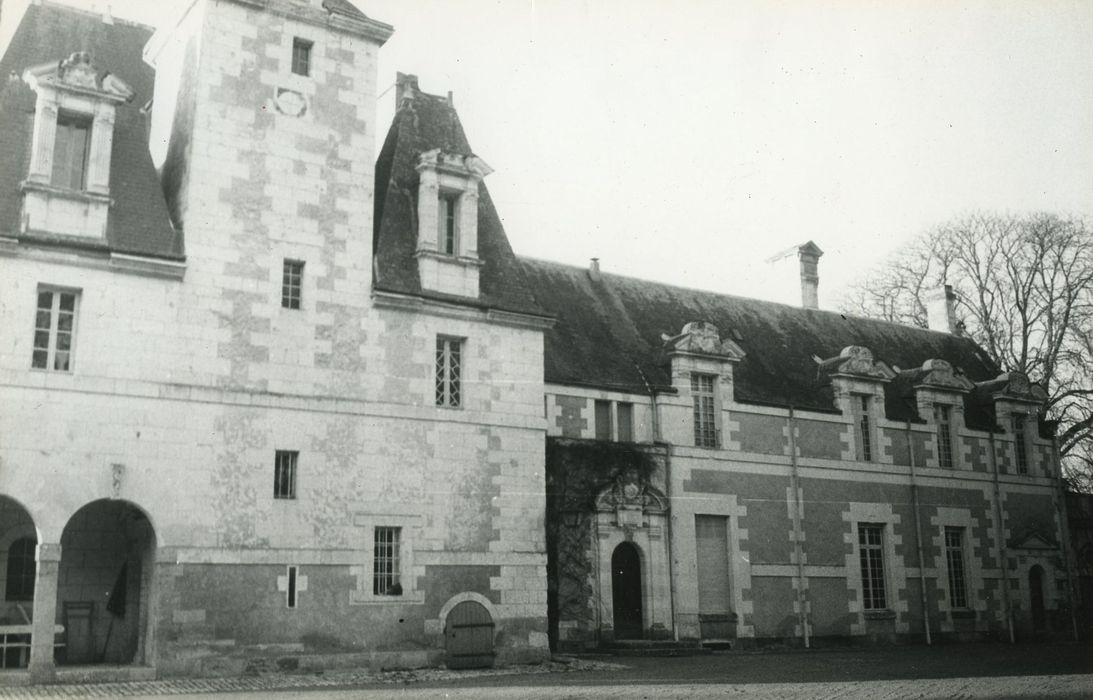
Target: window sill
point(880, 614)
point(962, 614)
point(365, 598)
point(66, 193)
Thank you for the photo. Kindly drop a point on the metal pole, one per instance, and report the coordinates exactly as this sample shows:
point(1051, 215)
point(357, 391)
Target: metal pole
point(1064, 536)
point(798, 547)
point(1003, 554)
point(918, 540)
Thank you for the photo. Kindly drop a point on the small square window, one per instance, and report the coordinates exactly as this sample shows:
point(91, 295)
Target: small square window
point(54, 330)
point(386, 579)
point(291, 284)
point(301, 56)
point(284, 474)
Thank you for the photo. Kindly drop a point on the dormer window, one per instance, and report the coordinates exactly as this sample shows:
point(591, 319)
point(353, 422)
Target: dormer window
point(70, 150)
point(1020, 447)
point(944, 421)
point(449, 223)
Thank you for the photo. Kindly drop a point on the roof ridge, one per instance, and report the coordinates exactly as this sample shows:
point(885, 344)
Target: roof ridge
point(685, 288)
point(64, 6)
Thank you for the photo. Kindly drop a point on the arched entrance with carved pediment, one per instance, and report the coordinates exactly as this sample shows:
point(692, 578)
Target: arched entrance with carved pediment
point(631, 545)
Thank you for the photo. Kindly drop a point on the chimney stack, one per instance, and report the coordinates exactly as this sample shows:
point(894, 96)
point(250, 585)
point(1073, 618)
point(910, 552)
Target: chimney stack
point(405, 87)
point(594, 270)
point(809, 256)
point(941, 310)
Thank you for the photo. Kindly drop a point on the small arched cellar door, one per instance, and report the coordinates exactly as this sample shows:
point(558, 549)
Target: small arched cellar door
point(626, 591)
point(1036, 593)
point(468, 636)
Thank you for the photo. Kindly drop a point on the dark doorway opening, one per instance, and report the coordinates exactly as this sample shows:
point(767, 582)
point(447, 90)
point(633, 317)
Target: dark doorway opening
point(468, 636)
point(1036, 595)
point(626, 591)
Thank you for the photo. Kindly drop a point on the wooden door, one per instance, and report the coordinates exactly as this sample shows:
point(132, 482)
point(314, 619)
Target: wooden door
point(714, 592)
point(79, 648)
point(626, 591)
point(468, 636)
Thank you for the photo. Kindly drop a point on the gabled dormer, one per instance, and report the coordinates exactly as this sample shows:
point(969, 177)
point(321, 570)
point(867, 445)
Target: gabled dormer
point(857, 383)
point(702, 370)
point(447, 213)
point(67, 187)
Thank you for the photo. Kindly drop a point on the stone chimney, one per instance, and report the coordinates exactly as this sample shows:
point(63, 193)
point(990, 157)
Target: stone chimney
point(809, 256)
point(594, 270)
point(941, 310)
point(405, 87)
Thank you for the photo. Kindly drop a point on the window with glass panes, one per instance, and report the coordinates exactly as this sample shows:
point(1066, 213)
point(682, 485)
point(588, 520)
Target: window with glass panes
point(301, 56)
point(449, 369)
point(385, 561)
point(449, 223)
point(954, 558)
point(1020, 449)
point(705, 413)
point(871, 553)
point(284, 474)
point(54, 330)
point(292, 280)
point(71, 146)
point(943, 419)
point(863, 429)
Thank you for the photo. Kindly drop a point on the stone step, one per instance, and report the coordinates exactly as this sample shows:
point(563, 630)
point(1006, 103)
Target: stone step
point(654, 647)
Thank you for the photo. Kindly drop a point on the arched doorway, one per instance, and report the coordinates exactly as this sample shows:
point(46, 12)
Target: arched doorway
point(107, 555)
point(1036, 598)
point(626, 591)
point(18, 542)
point(468, 636)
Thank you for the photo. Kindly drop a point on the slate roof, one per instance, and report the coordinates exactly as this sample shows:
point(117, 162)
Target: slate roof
point(138, 222)
point(608, 335)
point(422, 123)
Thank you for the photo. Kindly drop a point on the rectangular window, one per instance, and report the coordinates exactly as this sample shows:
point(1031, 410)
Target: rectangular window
point(954, 557)
point(871, 552)
point(54, 330)
point(284, 474)
point(1020, 449)
point(702, 391)
point(449, 369)
point(385, 562)
point(292, 281)
point(301, 56)
point(449, 223)
point(291, 596)
point(626, 421)
point(863, 430)
point(942, 416)
point(70, 149)
point(603, 420)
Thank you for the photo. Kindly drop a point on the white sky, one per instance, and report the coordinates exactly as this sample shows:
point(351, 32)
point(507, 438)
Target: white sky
point(687, 141)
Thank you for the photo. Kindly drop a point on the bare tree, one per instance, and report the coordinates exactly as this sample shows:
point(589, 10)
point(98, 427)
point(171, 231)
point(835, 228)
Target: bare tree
point(1024, 287)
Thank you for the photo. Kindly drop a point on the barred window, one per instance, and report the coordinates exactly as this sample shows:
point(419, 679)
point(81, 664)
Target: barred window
point(449, 370)
point(863, 429)
point(871, 552)
point(301, 56)
point(385, 561)
point(20, 577)
point(1020, 449)
point(292, 284)
point(54, 330)
point(284, 474)
point(943, 418)
point(954, 557)
point(702, 391)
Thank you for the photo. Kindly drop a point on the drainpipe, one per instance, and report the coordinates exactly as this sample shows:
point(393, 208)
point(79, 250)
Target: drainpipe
point(999, 529)
point(918, 539)
point(798, 548)
point(1064, 536)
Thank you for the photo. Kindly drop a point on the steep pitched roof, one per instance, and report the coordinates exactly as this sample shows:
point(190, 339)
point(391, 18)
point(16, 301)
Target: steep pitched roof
point(344, 7)
point(138, 222)
point(425, 122)
point(609, 335)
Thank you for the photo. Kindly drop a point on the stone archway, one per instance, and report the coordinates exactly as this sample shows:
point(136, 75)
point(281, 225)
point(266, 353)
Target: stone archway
point(106, 567)
point(18, 568)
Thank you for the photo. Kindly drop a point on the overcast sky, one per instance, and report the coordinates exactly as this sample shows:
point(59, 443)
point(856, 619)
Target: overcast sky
point(687, 141)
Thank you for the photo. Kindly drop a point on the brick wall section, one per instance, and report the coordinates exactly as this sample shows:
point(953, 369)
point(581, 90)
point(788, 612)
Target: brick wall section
point(572, 418)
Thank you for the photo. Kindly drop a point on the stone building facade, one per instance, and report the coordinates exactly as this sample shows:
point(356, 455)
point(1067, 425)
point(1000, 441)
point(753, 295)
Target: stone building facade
point(271, 398)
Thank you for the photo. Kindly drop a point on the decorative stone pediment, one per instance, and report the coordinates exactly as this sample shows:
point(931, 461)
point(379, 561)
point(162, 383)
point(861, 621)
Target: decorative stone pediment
point(454, 163)
point(631, 493)
point(1032, 540)
point(701, 338)
point(940, 374)
point(78, 73)
point(1015, 386)
point(857, 361)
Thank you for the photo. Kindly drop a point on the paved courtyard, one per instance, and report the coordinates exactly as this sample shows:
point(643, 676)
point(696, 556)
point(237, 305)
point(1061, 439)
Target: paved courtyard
point(962, 671)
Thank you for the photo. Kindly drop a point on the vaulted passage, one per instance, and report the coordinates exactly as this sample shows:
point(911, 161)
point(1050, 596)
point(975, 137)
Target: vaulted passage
point(18, 542)
point(107, 552)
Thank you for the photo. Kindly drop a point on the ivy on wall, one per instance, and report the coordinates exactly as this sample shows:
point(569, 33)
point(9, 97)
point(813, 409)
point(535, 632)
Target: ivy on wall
point(576, 472)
